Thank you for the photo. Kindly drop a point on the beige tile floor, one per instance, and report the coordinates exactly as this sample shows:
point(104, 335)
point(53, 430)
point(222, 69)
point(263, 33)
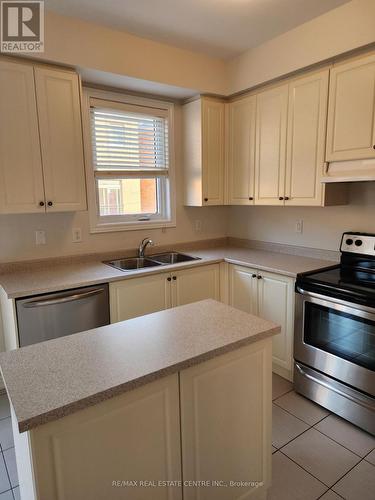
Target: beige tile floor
point(316, 455)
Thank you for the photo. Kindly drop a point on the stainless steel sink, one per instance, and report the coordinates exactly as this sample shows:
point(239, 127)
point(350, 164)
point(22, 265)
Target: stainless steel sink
point(132, 263)
point(172, 258)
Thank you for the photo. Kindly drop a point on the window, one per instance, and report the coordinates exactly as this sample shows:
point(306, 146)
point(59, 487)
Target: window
point(129, 168)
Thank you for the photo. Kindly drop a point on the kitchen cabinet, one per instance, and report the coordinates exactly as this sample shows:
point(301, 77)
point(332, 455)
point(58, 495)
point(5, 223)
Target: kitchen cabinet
point(270, 296)
point(307, 114)
point(41, 157)
point(243, 288)
point(241, 151)
point(21, 175)
point(214, 388)
point(139, 296)
point(194, 284)
point(203, 151)
point(60, 128)
point(147, 294)
point(351, 112)
point(270, 148)
point(137, 432)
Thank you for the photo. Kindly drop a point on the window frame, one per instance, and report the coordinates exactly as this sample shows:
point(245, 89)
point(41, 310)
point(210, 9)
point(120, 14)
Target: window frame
point(103, 224)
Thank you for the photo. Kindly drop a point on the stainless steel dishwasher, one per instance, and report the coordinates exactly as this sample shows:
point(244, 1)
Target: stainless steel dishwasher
point(48, 316)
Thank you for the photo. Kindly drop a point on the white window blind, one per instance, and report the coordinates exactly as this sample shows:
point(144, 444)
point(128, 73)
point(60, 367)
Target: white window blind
point(128, 141)
point(130, 163)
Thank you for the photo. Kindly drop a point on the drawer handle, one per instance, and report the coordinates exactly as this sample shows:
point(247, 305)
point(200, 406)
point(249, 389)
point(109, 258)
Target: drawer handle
point(169, 279)
point(174, 278)
point(259, 277)
point(50, 203)
point(281, 198)
point(41, 203)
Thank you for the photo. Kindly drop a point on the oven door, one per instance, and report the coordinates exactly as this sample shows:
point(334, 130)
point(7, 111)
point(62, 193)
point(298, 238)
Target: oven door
point(336, 338)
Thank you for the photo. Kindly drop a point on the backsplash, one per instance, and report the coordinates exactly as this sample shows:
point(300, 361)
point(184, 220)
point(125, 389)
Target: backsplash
point(322, 227)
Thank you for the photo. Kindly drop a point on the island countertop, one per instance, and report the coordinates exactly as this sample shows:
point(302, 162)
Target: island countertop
point(52, 379)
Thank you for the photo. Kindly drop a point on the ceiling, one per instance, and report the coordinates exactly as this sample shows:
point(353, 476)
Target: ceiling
point(221, 28)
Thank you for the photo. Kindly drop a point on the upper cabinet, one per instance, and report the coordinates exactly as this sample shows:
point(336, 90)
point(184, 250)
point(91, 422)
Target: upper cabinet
point(60, 129)
point(307, 114)
point(203, 142)
point(241, 151)
point(21, 176)
point(351, 114)
point(271, 123)
point(276, 146)
point(41, 153)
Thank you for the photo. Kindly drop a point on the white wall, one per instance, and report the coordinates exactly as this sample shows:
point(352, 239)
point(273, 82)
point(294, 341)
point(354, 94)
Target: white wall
point(322, 226)
point(340, 30)
point(17, 232)
point(83, 44)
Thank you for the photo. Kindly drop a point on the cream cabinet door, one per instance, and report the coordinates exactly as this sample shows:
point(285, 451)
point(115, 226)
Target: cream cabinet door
point(139, 296)
point(241, 151)
point(307, 116)
point(194, 284)
point(21, 176)
point(276, 303)
point(131, 437)
point(243, 286)
point(236, 446)
point(351, 114)
point(270, 151)
point(212, 152)
point(58, 100)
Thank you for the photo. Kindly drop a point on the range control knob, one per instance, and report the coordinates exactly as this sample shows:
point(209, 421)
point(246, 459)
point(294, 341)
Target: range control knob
point(349, 241)
point(358, 243)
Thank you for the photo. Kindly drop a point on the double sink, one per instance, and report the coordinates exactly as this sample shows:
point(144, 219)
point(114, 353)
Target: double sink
point(161, 259)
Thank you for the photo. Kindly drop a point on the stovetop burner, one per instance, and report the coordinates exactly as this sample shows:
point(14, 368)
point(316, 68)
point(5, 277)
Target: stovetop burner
point(353, 279)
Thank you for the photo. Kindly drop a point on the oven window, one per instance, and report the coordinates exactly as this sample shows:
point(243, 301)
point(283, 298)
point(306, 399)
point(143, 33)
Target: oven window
point(347, 336)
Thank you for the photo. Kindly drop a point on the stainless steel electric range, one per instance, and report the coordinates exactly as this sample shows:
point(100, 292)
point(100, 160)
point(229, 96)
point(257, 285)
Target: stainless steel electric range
point(334, 344)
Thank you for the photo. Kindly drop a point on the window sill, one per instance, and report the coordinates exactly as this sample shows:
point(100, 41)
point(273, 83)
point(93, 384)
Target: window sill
point(131, 226)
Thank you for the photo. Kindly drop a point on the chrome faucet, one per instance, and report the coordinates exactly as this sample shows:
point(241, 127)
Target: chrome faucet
point(143, 245)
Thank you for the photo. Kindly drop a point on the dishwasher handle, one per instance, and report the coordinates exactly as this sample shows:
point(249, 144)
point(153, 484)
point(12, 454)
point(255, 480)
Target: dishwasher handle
point(62, 300)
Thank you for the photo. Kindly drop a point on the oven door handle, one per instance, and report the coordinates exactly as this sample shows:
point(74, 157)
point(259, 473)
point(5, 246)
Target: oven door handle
point(341, 305)
point(331, 388)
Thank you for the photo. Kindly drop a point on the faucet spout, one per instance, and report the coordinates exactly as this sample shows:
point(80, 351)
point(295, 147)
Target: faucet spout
point(143, 245)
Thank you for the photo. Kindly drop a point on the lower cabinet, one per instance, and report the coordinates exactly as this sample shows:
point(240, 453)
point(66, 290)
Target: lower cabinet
point(118, 449)
point(225, 425)
point(270, 296)
point(201, 434)
point(138, 296)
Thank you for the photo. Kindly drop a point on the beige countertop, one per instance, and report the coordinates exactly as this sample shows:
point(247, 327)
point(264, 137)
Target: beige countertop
point(36, 278)
point(52, 379)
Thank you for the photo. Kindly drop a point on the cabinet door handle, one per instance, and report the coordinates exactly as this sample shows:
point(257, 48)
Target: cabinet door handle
point(41, 203)
point(251, 198)
point(259, 277)
point(174, 278)
point(50, 203)
point(281, 198)
point(253, 275)
point(169, 279)
point(286, 198)
point(206, 199)
point(373, 147)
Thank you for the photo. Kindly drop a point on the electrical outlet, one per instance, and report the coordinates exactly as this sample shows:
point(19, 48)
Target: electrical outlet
point(77, 234)
point(299, 226)
point(40, 237)
point(198, 226)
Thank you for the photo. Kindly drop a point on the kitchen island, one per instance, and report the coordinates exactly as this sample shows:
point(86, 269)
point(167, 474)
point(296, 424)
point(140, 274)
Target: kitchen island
point(169, 404)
